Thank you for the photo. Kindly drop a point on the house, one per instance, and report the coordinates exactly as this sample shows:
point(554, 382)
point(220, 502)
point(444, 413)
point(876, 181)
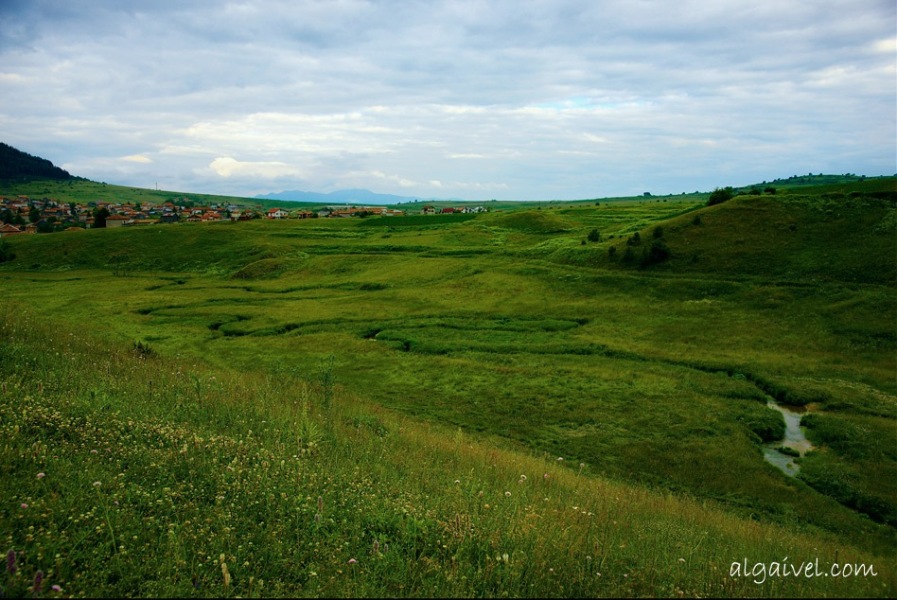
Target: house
point(277, 213)
point(428, 210)
point(6, 229)
point(113, 221)
point(448, 210)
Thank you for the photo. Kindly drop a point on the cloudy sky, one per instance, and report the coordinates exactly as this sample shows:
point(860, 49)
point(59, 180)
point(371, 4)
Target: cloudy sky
point(515, 99)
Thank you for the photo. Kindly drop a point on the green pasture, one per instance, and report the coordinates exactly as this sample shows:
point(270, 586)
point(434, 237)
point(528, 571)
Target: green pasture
point(128, 473)
point(82, 191)
point(516, 327)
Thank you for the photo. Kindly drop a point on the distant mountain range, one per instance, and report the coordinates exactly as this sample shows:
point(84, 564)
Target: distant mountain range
point(357, 197)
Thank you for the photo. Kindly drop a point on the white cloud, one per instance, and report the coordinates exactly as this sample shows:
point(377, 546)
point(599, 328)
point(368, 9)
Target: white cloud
point(402, 181)
point(227, 167)
point(887, 46)
point(12, 78)
point(535, 100)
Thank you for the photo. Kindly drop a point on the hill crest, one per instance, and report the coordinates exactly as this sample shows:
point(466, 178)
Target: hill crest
point(15, 164)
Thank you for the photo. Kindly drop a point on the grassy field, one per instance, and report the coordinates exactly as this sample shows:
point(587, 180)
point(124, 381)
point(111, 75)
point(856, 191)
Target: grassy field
point(82, 191)
point(481, 346)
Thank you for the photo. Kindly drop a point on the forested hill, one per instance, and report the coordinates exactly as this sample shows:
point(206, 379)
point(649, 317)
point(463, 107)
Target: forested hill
point(18, 165)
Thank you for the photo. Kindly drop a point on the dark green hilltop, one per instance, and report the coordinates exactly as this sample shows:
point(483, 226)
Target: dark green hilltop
point(18, 166)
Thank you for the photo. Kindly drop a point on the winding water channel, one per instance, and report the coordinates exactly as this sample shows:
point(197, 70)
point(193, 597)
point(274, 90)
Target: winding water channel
point(794, 439)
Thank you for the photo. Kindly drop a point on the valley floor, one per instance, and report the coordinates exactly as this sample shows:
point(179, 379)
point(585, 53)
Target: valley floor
point(251, 395)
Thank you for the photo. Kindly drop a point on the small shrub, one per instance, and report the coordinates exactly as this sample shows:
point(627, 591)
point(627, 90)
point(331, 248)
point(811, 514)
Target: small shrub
point(887, 225)
point(594, 236)
point(143, 350)
point(720, 195)
point(658, 232)
point(6, 253)
point(658, 253)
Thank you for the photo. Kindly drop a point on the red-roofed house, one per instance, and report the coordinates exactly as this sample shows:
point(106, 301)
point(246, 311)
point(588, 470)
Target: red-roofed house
point(116, 221)
point(7, 229)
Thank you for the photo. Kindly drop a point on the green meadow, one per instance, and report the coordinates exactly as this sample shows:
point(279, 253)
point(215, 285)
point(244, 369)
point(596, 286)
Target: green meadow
point(82, 191)
point(555, 399)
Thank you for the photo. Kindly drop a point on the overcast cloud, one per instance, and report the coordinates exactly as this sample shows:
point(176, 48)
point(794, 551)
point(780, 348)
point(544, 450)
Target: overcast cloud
point(513, 100)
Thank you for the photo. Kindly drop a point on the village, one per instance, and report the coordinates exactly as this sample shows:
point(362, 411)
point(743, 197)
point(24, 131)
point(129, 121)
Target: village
point(23, 215)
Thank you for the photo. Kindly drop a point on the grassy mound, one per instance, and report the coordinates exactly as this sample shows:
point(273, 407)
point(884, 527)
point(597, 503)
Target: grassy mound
point(788, 237)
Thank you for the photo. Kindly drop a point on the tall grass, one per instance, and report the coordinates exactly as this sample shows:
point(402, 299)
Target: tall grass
point(125, 474)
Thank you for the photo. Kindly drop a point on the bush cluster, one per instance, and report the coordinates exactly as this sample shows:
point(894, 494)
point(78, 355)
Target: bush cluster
point(720, 195)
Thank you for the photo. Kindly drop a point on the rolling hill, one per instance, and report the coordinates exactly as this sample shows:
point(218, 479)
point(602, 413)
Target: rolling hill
point(582, 423)
point(20, 166)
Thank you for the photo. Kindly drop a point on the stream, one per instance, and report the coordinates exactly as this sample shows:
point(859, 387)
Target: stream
point(794, 439)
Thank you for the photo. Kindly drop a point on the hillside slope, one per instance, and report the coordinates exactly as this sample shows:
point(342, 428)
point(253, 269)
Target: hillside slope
point(847, 239)
point(21, 166)
point(825, 237)
point(126, 474)
point(83, 191)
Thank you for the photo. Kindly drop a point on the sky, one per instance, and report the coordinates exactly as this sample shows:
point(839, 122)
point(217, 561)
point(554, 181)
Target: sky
point(517, 99)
